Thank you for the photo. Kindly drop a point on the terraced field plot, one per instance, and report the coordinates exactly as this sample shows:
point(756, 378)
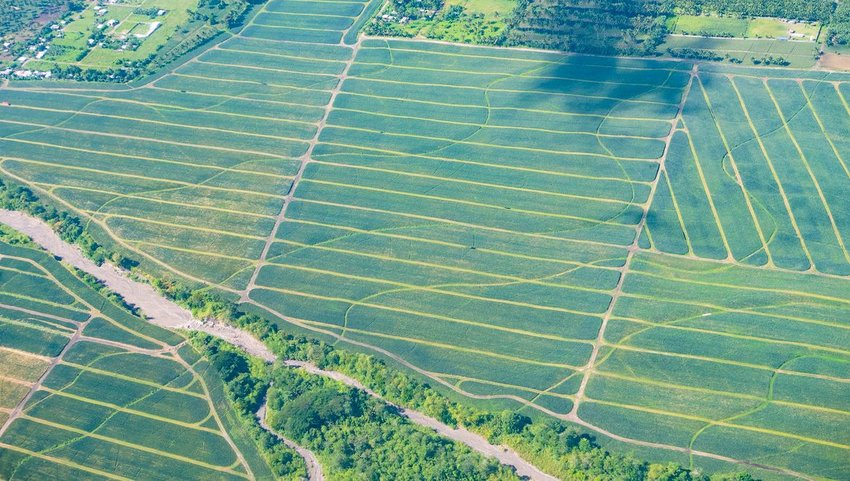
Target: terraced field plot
point(187, 171)
point(88, 391)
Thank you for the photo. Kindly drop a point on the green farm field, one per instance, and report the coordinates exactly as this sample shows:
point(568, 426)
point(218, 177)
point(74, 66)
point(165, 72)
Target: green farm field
point(83, 383)
point(655, 250)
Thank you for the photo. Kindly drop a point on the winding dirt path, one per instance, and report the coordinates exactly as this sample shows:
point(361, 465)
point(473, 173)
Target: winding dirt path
point(474, 441)
point(314, 468)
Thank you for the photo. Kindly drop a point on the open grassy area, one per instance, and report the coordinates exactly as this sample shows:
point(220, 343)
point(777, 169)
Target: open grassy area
point(656, 249)
point(89, 391)
point(758, 27)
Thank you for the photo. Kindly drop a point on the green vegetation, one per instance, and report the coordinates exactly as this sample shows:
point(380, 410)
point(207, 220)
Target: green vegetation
point(759, 27)
point(498, 220)
point(468, 21)
point(22, 20)
point(123, 400)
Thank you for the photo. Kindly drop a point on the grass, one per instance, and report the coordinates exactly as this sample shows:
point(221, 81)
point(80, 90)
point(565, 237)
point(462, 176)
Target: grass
point(470, 210)
point(798, 54)
point(119, 392)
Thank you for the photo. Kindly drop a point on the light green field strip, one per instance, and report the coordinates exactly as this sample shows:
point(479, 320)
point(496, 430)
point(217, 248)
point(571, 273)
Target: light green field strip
point(194, 426)
point(131, 379)
point(37, 327)
point(431, 265)
point(480, 164)
point(18, 352)
point(138, 447)
point(19, 382)
point(377, 233)
point(64, 462)
point(678, 210)
point(750, 312)
point(707, 193)
point(738, 180)
point(361, 303)
point(142, 139)
point(23, 273)
point(42, 301)
point(265, 69)
point(137, 177)
point(253, 262)
point(448, 347)
point(472, 182)
point(170, 107)
point(822, 127)
point(299, 14)
point(152, 199)
point(488, 126)
point(512, 91)
point(284, 27)
point(760, 367)
point(151, 159)
point(251, 82)
point(479, 56)
point(765, 340)
point(461, 224)
point(763, 149)
point(225, 48)
point(509, 75)
point(484, 144)
point(511, 109)
point(107, 215)
point(747, 287)
point(153, 86)
point(690, 417)
point(462, 379)
point(483, 205)
point(666, 384)
point(167, 124)
point(809, 170)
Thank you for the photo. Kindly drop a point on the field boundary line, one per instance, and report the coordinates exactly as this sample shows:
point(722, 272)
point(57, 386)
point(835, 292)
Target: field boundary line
point(134, 412)
point(632, 249)
point(138, 447)
point(513, 75)
point(386, 152)
point(411, 312)
point(63, 462)
point(133, 157)
point(518, 109)
point(451, 347)
point(504, 277)
point(200, 60)
point(140, 139)
point(441, 220)
point(473, 182)
point(169, 124)
point(587, 220)
point(239, 81)
point(550, 53)
point(134, 380)
point(454, 245)
point(707, 191)
point(822, 127)
point(493, 126)
point(766, 340)
point(493, 146)
point(725, 424)
point(108, 215)
point(514, 91)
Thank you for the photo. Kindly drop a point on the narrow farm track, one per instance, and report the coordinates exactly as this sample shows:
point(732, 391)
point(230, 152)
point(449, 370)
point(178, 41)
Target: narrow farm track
point(314, 468)
point(600, 340)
